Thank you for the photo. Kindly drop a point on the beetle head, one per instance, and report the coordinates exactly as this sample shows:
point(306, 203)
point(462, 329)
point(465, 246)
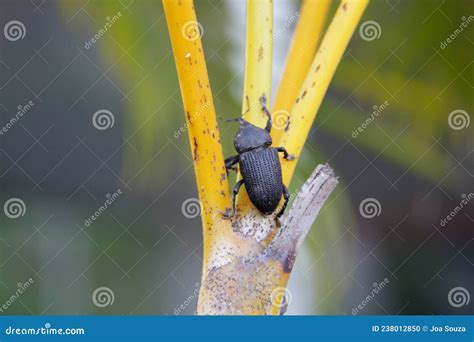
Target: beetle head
point(250, 137)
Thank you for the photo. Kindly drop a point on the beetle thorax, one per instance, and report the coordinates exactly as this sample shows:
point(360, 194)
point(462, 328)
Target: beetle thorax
point(250, 137)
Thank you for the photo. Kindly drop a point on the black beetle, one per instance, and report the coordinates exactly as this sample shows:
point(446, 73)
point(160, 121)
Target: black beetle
point(259, 165)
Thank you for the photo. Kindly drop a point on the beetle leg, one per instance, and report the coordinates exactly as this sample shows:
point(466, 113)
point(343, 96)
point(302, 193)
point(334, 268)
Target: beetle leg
point(234, 195)
point(230, 162)
point(286, 155)
point(286, 196)
point(263, 101)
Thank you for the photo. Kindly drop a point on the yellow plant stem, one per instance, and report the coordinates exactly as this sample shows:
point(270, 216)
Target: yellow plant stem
point(316, 83)
point(203, 131)
point(258, 59)
point(258, 72)
point(305, 41)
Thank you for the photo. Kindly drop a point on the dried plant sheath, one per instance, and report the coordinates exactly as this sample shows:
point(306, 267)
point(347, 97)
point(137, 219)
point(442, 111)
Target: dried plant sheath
point(249, 286)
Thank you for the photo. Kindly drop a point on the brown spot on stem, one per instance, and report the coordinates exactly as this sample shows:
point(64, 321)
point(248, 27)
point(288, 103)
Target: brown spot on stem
point(260, 53)
point(344, 6)
point(304, 94)
point(195, 150)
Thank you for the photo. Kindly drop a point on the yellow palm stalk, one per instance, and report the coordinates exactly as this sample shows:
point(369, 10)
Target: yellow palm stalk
point(316, 83)
point(303, 48)
point(185, 33)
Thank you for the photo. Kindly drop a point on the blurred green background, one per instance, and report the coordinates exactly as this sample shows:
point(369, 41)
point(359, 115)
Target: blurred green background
point(412, 157)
